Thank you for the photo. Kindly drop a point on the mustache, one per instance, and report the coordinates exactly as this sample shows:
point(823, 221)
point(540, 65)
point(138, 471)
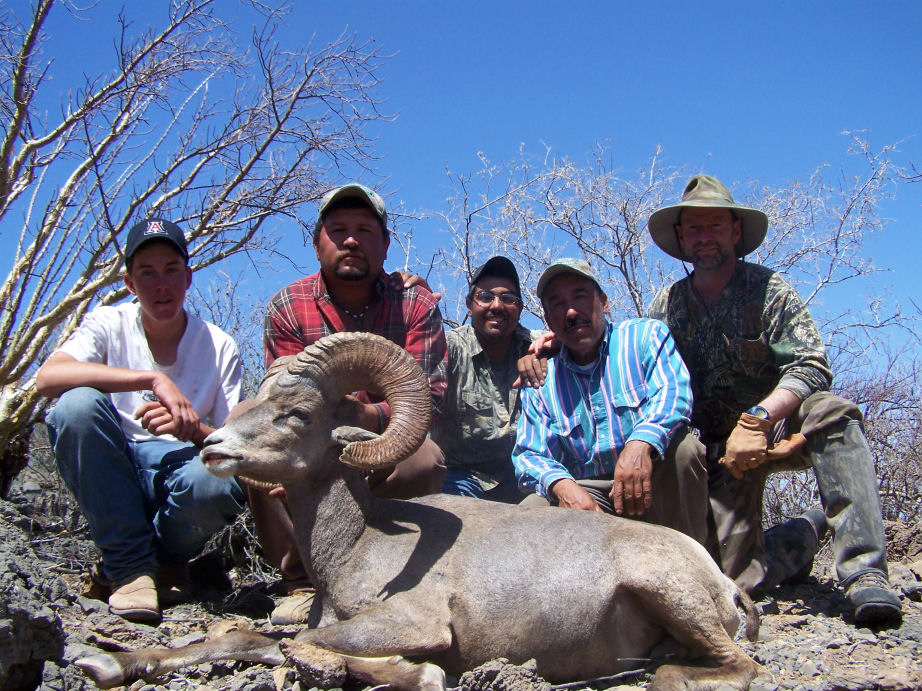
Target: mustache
point(575, 321)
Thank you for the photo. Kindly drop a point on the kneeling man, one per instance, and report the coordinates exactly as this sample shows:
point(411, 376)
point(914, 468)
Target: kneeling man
point(607, 431)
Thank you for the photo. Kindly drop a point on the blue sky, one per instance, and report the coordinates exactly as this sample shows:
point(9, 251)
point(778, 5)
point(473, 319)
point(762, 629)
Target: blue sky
point(739, 90)
point(761, 90)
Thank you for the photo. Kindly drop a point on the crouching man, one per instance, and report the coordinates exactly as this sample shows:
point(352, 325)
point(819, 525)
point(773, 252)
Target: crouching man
point(762, 404)
point(607, 430)
point(350, 292)
point(141, 385)
point(478, 426)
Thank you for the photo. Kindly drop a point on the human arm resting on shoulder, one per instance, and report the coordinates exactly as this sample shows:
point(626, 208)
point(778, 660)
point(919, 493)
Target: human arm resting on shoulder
point(62, 372)
point(533, 365)
point(401, 280)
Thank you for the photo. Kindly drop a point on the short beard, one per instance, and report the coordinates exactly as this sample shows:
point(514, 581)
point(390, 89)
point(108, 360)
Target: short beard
point(351, 273)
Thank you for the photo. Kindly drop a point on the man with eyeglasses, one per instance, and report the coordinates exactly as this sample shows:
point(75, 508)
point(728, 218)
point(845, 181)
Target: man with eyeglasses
point(477, 428)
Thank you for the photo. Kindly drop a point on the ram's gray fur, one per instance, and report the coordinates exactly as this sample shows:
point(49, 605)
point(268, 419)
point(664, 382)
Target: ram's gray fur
point(450, 580)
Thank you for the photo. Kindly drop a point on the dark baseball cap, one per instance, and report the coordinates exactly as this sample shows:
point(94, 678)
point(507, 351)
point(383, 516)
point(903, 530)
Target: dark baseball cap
point(155, 229)
point(497, 266)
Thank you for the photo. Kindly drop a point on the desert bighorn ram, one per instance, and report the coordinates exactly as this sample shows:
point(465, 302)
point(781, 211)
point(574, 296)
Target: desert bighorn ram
point(445, 580)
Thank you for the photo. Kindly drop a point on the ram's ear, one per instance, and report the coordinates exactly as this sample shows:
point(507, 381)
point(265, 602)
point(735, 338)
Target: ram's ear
point(346, 435)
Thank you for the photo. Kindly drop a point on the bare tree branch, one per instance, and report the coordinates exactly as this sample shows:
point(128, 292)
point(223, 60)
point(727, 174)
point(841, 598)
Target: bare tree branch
point(190, 123)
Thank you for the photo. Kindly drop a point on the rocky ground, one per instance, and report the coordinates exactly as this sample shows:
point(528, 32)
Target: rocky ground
point(807, 640)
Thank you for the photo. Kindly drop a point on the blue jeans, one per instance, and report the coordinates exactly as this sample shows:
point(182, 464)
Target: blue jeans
point(146, 502)
point(463, 483)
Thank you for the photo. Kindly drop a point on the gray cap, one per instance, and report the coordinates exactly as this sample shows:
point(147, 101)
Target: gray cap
point(580, 267)
point(357, 191)
point(706, 192)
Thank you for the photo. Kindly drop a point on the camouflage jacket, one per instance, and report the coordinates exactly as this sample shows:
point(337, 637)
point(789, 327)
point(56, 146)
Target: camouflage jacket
point(479, 420)
point(755, 337)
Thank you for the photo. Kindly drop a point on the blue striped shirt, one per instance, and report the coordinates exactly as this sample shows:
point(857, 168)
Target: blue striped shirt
point(575, 425)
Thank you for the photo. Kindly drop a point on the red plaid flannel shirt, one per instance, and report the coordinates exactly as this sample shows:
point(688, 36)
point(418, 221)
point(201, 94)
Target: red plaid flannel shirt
point(303, 312)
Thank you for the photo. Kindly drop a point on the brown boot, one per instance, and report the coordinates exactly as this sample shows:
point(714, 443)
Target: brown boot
point(293, 609)
point(135, 599)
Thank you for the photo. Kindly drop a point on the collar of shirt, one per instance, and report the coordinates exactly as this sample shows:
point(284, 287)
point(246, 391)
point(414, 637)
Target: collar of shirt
point(567, 361)
point(520, 336)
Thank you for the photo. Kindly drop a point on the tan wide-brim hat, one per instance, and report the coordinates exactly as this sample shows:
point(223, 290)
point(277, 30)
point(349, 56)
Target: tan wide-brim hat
point(704, 191)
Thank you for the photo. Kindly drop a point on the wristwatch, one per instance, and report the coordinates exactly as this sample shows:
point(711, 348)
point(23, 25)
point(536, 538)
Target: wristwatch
point(759, 412)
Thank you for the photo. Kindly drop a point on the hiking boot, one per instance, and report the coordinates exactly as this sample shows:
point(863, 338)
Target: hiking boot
point(816, 518)
point(293, 609)
point(173, 584)
point(874, 600)
point(135, 599)
point(791, 547)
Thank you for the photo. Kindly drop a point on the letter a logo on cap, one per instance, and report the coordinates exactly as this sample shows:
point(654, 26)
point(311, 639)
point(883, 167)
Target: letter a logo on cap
point(154, 228)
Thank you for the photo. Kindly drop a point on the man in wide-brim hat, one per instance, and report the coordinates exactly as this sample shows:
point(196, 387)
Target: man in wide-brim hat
point(761, 381)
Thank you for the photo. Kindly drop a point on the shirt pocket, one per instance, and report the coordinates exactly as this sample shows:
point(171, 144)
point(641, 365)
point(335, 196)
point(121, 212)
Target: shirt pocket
point(477, 418)
point(628, 406)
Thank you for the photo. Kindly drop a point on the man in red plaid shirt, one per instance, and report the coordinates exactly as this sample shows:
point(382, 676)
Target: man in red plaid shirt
point(351, 292)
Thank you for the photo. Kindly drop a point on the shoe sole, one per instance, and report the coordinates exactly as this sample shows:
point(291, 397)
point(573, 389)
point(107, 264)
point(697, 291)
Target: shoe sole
point(138, 615)
point(877, 613)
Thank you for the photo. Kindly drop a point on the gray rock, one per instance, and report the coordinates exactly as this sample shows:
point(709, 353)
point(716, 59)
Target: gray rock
point(27, 621)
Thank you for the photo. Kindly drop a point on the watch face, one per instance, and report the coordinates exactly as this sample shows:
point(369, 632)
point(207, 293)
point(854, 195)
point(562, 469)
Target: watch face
point(759, 412)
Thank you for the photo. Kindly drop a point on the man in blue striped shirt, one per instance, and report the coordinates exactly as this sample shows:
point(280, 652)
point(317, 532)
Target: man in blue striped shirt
point(607, 431)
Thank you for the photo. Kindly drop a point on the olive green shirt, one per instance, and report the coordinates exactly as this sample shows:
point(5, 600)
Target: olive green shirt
point(755, 337)
point(477, 427)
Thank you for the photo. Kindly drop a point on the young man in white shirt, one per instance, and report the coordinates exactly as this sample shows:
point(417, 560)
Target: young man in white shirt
point(141, 385)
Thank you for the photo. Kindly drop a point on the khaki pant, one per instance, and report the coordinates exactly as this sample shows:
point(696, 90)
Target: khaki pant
point(842, 463)
point(420, 474)
point(679, 489)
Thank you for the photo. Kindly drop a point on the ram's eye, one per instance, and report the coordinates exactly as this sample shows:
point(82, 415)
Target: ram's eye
point(292, 415)
point(301, 414)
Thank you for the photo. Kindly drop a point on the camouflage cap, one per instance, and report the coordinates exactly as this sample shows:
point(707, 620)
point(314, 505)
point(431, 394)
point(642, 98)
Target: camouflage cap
point(580, 267)
point(357, 191)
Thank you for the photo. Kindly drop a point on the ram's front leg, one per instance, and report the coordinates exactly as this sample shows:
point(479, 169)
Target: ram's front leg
point(375, 642)
point(120, 668)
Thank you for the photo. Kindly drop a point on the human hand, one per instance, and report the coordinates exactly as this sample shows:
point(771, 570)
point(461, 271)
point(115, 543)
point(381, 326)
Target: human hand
point(532, 371)
point(747, 445)
point(183, 421)
point(632, 488)
point(355, 413)
point(571, 496)
point(401, 280)
point(546, 344)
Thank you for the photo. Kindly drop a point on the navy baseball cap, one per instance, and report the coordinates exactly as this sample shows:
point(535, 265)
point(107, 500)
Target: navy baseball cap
point(155, 229)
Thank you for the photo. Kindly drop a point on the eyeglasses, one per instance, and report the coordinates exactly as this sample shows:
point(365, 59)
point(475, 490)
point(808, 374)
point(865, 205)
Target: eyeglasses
point(485, 298)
